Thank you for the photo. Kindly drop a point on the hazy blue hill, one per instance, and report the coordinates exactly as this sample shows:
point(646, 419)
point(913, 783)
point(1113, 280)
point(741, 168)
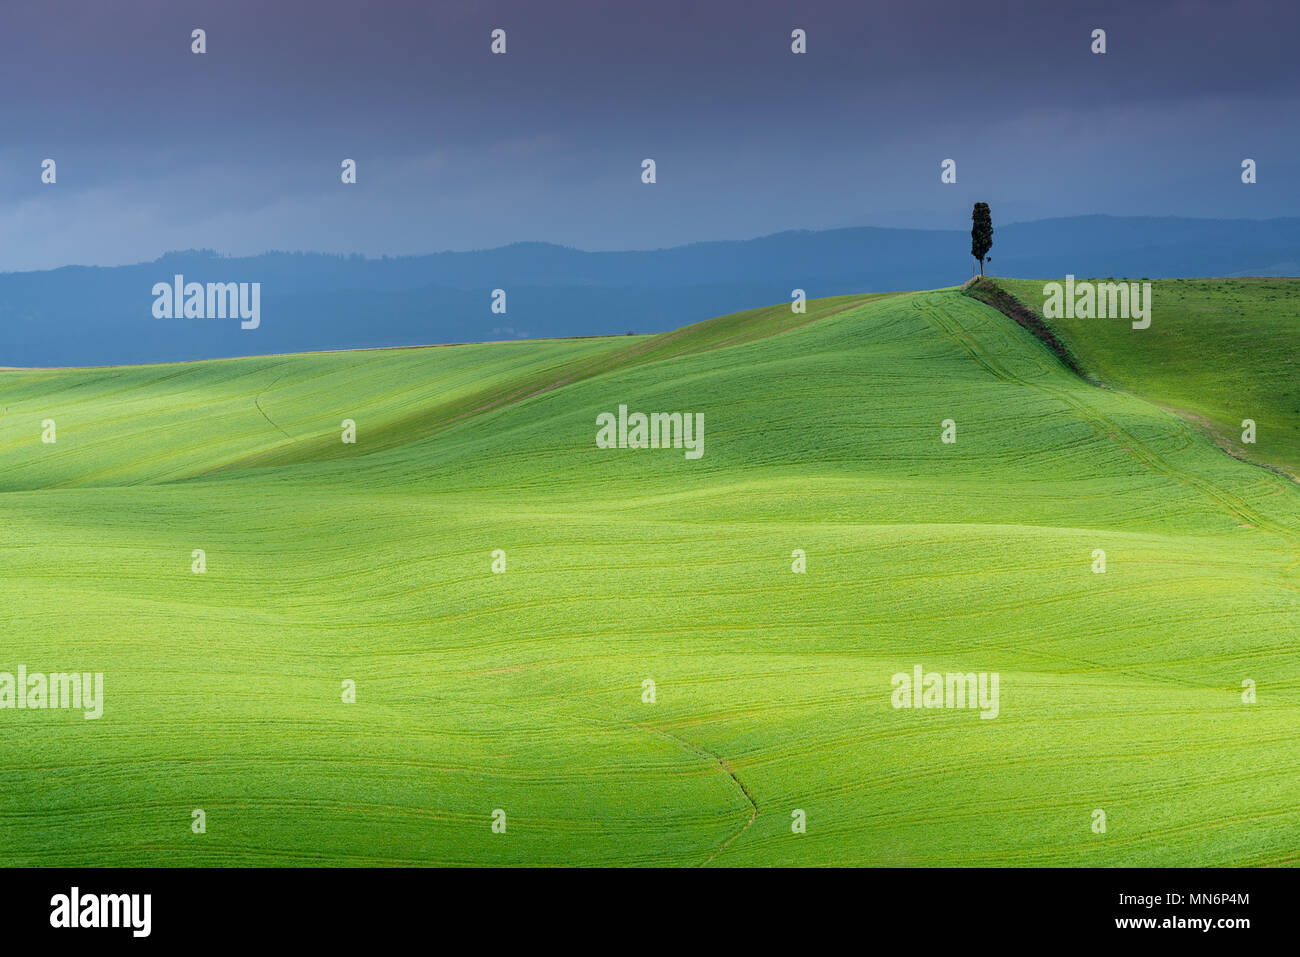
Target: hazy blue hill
point(80, 315)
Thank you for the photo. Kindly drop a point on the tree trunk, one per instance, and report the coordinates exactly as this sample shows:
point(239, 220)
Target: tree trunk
point(981, 267)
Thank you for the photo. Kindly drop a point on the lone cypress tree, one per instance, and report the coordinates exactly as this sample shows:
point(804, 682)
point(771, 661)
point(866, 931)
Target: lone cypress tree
point(981, 233)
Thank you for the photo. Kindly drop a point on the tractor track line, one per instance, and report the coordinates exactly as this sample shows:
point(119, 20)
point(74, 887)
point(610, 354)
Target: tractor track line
point(726, 768)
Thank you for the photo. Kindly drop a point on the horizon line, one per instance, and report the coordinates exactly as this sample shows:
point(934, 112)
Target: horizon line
point(382, 257)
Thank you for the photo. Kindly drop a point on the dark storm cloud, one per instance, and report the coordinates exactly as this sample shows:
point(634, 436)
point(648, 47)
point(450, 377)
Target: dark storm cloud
point(239, 149)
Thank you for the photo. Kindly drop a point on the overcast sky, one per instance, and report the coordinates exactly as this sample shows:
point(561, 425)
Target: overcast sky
point(239, 149)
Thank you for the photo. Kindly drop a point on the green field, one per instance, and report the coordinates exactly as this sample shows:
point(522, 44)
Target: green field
point(522, 691)
point(1218, 351)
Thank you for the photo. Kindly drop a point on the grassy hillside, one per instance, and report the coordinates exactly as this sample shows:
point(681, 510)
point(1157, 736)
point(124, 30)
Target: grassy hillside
point(1218, 350)
point(523, 691)
point(131, 424)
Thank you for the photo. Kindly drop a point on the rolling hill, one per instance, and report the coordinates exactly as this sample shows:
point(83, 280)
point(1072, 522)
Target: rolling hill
point(1218, 351)
point(524, 690)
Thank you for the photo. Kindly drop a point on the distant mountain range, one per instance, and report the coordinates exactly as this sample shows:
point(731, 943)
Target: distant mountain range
point(88, 315)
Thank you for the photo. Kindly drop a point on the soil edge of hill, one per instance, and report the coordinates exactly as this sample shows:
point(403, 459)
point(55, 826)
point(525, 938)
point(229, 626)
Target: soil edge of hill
point(985, 290)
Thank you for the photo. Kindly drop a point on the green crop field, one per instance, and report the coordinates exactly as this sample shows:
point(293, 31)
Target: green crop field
point(524, 690)
point(1218, 351)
